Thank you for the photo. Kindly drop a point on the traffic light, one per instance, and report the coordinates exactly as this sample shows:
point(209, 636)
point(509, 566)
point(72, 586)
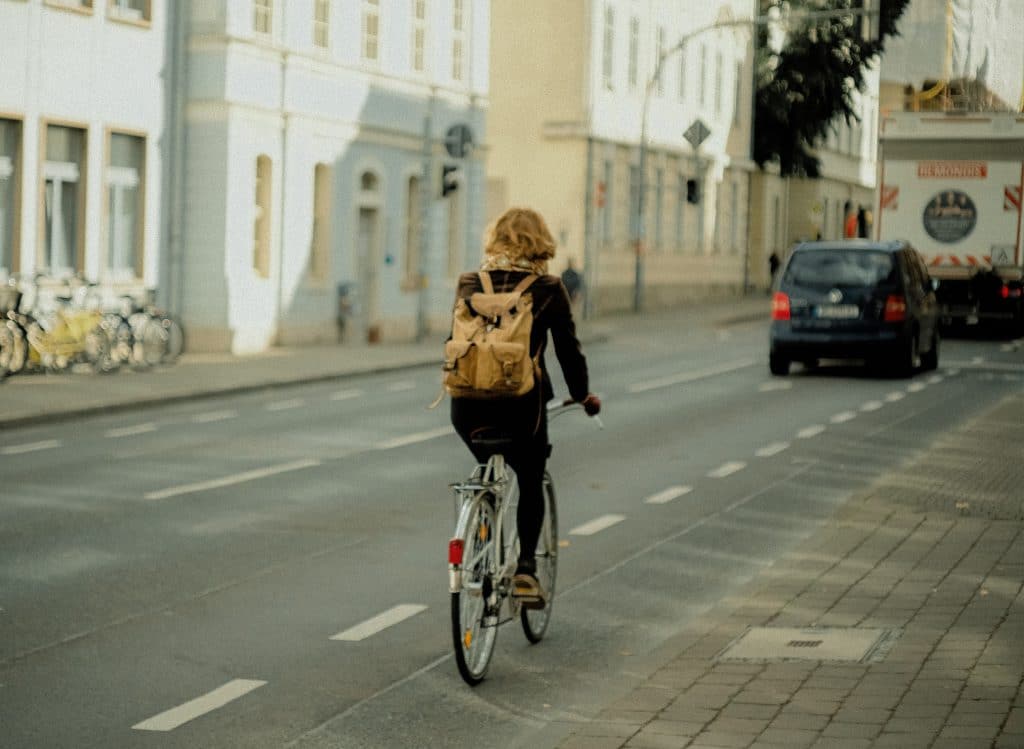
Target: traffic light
point(692, 191)
point(449, 181)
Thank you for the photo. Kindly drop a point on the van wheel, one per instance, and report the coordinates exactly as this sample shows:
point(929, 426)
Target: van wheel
point(779, 365)
point(930, 361)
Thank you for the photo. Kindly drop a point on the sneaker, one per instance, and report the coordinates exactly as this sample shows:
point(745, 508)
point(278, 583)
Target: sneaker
point(527, 588)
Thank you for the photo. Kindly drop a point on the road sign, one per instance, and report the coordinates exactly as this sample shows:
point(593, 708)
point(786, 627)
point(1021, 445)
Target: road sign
point(458, 141)
point(697, 133)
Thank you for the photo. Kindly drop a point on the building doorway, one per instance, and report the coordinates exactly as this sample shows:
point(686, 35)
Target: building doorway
point(368, 244)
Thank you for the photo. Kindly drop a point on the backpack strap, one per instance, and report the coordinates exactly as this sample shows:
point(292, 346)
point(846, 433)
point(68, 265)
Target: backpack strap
point(485, 282)
point(524, 284)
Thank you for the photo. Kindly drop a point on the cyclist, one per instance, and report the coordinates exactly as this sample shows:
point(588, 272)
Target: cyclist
point(516, 245)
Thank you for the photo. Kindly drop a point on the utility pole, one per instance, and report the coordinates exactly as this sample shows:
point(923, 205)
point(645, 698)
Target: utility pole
point(426, 202)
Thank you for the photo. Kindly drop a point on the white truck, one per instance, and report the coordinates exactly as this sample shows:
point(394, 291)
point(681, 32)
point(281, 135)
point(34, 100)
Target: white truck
point(951, 183)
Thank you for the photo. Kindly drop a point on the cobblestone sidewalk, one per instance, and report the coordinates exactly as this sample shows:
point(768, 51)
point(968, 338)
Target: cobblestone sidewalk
point(942, 570)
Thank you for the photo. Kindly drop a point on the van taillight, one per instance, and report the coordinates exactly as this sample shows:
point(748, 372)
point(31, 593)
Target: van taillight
point(455, 547)
point(780, 306)
point(895, 308)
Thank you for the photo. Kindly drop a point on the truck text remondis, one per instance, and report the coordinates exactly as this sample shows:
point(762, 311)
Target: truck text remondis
point(951, 184)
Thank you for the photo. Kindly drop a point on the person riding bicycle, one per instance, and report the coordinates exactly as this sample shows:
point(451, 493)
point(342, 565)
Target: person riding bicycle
point(516, 245)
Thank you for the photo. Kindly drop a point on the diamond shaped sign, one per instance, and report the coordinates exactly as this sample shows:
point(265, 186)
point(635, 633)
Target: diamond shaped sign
point(697, 133)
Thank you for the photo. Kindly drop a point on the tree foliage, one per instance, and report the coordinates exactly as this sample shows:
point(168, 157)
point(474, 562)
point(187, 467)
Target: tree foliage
point(809, 84)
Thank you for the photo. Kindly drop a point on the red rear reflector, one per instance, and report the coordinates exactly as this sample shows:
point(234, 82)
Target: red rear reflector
point(780, 306)
point(1005, 292)
point(895, 308)
point(455, 547)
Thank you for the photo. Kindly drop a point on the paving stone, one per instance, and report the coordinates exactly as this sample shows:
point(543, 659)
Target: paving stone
point(790, 737)
point(657, 741)
point(761, 697)
point(922, 725)
point(591, 742)
point(724, 740)
point(646, 699)
point(850, 715)
point(843, 729)
point(969, 733)
point(836, 742)
point(624, 716)
point(607, 728)
point(814, 707)
point(800, 721)
point(673, 727)
point(902, 741)
point(1009, 741)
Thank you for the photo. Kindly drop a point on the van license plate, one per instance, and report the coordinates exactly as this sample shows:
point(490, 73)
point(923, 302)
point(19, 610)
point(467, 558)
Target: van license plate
point(837, 311)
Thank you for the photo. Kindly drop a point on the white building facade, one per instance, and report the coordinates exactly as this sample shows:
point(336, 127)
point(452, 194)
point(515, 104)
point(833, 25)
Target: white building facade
point(82, 116)
point(311, 206)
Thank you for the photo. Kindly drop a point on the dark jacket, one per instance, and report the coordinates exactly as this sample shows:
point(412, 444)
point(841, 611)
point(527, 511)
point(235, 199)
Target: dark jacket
point(551, 313)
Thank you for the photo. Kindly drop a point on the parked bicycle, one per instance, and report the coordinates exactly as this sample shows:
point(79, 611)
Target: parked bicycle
point(483, 554)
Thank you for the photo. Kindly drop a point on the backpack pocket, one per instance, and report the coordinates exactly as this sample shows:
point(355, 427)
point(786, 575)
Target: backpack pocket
point(459, 365)
point(505, 368)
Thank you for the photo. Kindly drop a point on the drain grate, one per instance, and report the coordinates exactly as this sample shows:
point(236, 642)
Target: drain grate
point(845, 644)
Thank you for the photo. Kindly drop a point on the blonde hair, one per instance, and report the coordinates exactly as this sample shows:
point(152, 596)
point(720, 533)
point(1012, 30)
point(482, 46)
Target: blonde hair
point(520, 234)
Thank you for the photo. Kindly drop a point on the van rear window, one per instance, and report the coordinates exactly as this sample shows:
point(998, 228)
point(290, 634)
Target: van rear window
point(831, 268)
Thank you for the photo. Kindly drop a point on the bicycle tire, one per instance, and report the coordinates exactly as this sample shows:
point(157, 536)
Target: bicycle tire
point(535, 621)
point(473, 636)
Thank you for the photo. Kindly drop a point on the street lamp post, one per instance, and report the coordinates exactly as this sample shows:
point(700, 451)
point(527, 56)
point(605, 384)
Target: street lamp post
point(867, 11)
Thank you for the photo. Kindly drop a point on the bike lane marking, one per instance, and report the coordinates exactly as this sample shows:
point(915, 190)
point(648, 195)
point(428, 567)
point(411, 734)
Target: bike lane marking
point(129, 431)
point(285, 405)
point(667, 495)
point(683, 377)
point(219, 697)
point(380, 622)
point(597, 525)
point(237, 478)
point(344, 395)
point(727, 469)
point(29, 447)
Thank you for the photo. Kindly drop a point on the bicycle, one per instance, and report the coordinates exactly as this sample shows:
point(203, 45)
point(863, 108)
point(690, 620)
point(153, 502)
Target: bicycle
point(483, 554)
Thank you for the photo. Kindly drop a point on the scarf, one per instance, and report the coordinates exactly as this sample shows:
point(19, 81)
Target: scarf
point(504, 262)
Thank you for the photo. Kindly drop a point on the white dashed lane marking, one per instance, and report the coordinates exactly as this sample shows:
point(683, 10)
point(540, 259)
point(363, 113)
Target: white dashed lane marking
point(673, 492)
point(29, 447)
point(767, 387)
point(842, 418)
point(411, 439)
point(129, 431)
point(286, 405)
point(344, 395)
point(812, 431)
point(596, 525)
point(171, 719)
point(211, 416)
point(893, 397)
point(238, 478)
point(399, 387)
point(871, 406)
point(727, 469)
point(773, 449)
point(915, 387)
point(683, 377)
point(935, 379)
point(380, 622)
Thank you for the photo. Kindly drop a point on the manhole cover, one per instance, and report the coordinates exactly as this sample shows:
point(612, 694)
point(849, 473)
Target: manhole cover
point(851, 644)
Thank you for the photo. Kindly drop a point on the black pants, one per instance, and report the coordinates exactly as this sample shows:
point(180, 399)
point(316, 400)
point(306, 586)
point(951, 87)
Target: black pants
point(524, 419)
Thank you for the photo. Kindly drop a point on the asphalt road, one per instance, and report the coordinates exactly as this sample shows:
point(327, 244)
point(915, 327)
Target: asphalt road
point(174, 577)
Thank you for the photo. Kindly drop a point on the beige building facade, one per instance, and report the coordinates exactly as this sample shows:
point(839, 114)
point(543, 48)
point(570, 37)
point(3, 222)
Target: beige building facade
point(568, 84)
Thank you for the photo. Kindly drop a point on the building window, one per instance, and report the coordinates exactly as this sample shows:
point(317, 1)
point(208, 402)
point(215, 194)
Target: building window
point(458, 38)
point(660, 50)
point(719, 73)
point(84, 6)
point(606, 223)
point(419, 35)
point(63, 198)
point(261, 218)
point(322, 23)
point(371, 29)
point(634, 52)
point(738, 98)
point(10, 166)
point(608, 50)
point(682, 75)
point(320, 249)
point(125, 206)
point(263, 16)
point(130, 10)
point(412, 232)
point(703, 76)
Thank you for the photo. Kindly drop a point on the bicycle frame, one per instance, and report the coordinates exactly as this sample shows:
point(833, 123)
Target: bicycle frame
point(495, 479)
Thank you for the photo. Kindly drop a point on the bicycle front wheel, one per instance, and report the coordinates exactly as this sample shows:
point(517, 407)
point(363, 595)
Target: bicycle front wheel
point(535, 621)
point(474, 606)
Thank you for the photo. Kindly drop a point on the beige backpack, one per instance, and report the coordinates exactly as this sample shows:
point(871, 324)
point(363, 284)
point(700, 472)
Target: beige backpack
point(488, 355)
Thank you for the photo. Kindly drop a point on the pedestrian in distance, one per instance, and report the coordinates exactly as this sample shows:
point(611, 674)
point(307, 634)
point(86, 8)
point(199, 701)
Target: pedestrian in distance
point(572, 279)
point(773, 268)
point(517, 249)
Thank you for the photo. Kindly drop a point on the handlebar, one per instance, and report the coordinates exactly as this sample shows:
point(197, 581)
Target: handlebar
point(556, 409)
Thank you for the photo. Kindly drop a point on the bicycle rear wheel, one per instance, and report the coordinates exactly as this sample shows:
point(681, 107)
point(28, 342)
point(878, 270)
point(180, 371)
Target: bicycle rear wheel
point(535, 621)
point(474, 625)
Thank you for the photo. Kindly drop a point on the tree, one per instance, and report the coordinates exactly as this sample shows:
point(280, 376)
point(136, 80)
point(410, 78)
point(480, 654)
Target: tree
point(809, 83)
